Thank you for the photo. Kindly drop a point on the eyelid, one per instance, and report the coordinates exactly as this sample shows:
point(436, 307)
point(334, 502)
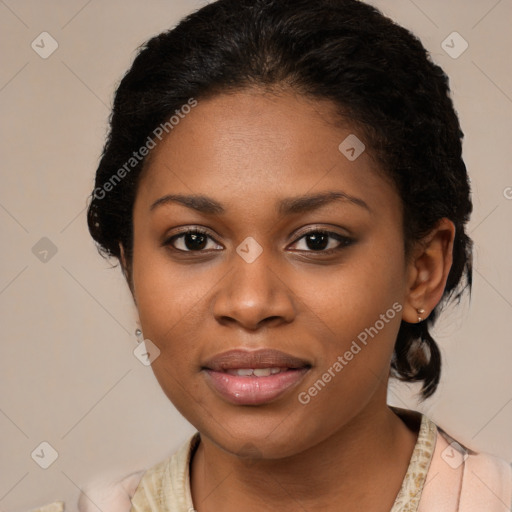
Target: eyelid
point(319, 228)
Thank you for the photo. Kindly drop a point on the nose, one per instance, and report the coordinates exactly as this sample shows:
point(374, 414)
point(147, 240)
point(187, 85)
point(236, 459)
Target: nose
point(254, 295)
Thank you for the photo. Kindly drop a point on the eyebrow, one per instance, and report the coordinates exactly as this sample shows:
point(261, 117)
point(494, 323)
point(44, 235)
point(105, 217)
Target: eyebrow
point(287, 206)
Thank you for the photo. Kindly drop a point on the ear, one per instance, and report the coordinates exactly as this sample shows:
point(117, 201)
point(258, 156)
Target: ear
point(123, 260)
point(126, 269)
point(428, 271)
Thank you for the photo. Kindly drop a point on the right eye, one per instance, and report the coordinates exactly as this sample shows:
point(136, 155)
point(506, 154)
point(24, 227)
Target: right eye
point(191, 240)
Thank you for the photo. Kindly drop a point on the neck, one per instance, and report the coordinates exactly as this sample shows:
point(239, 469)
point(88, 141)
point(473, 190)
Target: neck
point(375, 446)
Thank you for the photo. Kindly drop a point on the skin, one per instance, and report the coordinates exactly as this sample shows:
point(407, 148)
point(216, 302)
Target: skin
point(248, 150)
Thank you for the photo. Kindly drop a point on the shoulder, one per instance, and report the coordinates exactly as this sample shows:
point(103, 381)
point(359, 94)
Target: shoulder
point(166, 486)
point(473, 462)
point(139, 490)
point(56, 506)
point(110, 496)
point(486, 484)
point(465, 480)
point(104, 495)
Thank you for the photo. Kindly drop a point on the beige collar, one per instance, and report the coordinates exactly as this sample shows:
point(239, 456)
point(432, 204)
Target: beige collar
point(166, 486)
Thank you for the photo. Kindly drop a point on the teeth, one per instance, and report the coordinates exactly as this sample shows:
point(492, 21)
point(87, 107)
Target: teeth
point(256, 372)
point(244, 372)
point(262, 372)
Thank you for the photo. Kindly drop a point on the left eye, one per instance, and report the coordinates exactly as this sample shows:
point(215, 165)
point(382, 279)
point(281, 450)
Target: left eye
point(318, 241)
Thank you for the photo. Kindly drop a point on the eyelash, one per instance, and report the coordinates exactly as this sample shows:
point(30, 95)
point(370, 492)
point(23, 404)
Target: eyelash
point(343, 240)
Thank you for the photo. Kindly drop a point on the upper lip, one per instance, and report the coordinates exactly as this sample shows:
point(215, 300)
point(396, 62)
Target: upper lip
point(262, 358)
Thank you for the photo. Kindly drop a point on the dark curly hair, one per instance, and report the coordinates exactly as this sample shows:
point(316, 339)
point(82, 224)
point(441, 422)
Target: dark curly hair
point(376, 73)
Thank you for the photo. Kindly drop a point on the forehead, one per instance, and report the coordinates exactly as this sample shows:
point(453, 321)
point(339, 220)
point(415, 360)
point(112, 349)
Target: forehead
point(253, 147)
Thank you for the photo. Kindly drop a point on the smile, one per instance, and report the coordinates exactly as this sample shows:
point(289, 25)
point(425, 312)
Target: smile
point(254, 378)
point(257, 372)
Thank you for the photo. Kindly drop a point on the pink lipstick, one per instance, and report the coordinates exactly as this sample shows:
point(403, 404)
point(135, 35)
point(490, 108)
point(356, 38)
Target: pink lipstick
point(254, 377)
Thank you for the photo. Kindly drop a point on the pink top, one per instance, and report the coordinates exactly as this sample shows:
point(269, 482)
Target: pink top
point(443, 476)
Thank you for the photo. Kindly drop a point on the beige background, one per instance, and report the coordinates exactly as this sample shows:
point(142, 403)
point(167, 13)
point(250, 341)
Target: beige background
point(68, 373)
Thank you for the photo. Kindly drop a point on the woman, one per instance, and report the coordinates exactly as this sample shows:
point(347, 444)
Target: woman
point(284, 188)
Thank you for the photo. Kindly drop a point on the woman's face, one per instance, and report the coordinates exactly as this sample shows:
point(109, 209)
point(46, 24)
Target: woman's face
point(315, 315)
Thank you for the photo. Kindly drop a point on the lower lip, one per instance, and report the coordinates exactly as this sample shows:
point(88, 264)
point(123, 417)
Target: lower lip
point(254, 390)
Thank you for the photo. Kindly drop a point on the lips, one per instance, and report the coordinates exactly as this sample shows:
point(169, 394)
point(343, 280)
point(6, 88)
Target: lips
point(254, 377)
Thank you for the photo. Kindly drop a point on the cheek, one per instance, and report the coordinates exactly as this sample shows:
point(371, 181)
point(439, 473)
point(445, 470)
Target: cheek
point(169, 306)
point(351, 297)
point(360, 305)
point(166, 293)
